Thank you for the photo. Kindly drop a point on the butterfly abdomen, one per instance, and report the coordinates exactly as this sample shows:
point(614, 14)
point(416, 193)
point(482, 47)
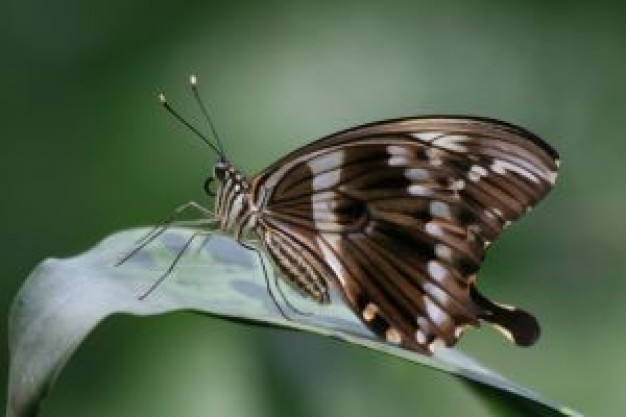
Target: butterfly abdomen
point(299, 271)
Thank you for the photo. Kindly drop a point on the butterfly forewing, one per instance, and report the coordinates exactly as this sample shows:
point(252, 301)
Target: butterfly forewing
point(398, 216)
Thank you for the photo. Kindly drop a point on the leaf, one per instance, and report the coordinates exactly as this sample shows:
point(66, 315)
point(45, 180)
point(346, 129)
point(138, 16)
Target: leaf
point(63, 300)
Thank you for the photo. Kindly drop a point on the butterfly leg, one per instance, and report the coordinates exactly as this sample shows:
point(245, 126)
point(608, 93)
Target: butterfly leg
point(267, 280)
point(171, 219)
point(168, 222)
point(178, 257)
point(276, 284)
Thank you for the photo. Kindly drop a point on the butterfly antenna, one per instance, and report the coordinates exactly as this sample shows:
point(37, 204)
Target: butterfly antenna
point(193, 81)
point(174, 113)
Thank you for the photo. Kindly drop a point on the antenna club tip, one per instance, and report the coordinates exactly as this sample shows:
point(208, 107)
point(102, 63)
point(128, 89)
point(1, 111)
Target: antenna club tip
point(193, 80)
point(162, 98)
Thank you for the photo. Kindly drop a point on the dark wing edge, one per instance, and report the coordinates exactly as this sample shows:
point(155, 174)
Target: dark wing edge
point(382, 125)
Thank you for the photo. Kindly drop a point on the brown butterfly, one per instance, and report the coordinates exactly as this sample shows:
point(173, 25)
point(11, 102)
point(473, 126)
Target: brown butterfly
point(397, 215)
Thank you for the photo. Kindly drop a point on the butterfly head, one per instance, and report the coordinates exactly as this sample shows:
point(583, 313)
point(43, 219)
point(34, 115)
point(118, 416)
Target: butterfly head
point(227, 184)
point(221, 171)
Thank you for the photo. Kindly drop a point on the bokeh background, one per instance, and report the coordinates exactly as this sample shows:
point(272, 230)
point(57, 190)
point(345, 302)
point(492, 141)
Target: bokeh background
point(87, 151)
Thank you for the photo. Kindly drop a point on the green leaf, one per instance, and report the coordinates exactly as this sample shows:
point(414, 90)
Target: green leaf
point(63, 300)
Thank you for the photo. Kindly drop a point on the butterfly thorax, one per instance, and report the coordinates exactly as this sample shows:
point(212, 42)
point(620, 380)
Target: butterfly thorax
point(232, 205)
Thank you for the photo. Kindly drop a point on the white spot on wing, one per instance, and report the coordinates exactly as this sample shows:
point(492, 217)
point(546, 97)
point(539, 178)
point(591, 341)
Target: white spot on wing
point(452, 143)
point(436, 270)
point(393, 336)
point(436, 293)
point(323, 180)
point(426, 136)
point(500, 167)
point(326, 180)
point(398, 150)
point(370, 311)
point(399, 155)
point(457, 185)
point(329, 161)
point(436, 344)
point(418, 190)
point(319, 212)
point(433, 229)
point(398, 160)
point(420, 337)
point(552, 177)
point(416, 174)
point(479, 170)
point(436, 314)
point(476, 172)
point(443, 252)
point(440, 209)
point(329, 256)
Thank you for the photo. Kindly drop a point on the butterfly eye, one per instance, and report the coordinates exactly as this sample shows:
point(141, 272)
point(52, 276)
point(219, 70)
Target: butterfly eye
point(209, 187)
point(220, 172)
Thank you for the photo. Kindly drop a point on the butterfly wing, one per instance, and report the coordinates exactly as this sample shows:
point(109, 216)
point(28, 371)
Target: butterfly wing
point(399, 214)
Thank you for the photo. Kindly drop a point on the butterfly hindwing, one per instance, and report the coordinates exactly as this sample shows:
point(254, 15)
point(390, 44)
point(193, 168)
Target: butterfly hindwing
point(399, 215)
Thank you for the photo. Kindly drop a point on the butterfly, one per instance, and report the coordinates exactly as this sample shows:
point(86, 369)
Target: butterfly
point(397, 216)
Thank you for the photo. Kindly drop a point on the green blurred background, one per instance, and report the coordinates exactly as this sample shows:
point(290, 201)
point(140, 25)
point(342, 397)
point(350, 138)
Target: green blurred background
point(87, 151)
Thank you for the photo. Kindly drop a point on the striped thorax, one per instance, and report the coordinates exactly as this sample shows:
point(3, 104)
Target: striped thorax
point(233, 208)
